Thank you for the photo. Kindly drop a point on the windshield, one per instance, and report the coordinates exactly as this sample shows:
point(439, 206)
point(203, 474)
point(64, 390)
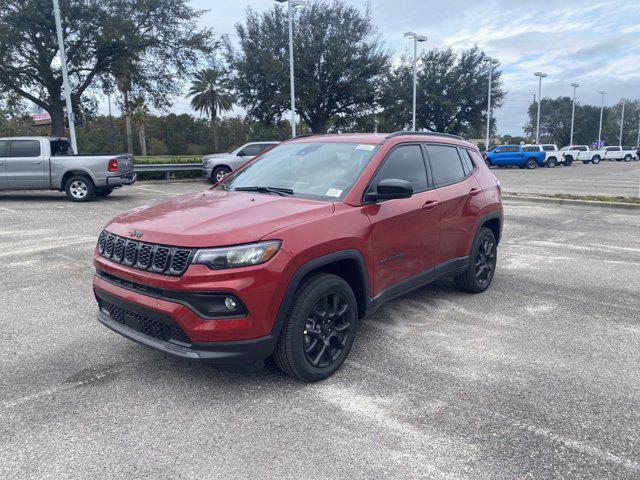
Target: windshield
point(318, 170)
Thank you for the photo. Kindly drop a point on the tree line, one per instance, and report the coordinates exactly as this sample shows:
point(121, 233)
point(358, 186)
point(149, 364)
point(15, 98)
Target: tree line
point(145, 53)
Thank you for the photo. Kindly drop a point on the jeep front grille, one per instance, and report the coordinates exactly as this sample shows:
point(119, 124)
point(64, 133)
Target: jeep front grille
point(144, 256)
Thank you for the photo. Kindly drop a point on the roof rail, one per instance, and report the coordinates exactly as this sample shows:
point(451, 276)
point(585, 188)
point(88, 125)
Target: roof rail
point(432, 134)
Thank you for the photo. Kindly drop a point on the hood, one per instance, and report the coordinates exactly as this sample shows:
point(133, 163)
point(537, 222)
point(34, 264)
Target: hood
point(217, 218)
point(216, 155)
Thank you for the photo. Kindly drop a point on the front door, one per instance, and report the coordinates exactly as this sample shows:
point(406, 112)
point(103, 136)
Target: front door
point(405, 232)
point(24, 165)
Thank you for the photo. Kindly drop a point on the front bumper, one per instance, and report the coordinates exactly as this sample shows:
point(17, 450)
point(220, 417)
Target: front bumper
point(207, 171)
point(120, 180)
point(160, 332)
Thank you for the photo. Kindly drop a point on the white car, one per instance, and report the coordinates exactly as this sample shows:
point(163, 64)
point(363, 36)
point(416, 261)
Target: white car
point(617, 153)
point(218, 165)
point(581, 153)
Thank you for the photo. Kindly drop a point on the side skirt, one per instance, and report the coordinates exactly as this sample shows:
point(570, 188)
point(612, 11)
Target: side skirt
point(449, 268)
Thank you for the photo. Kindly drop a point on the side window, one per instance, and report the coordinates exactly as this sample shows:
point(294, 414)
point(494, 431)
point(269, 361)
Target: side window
point(251, 150)
point(446, 165)
point(405, 163)
point(264, 146)
point(582, 149)
point(25, 148)
point(477, 159)
point(467, 162)
point(4, 149)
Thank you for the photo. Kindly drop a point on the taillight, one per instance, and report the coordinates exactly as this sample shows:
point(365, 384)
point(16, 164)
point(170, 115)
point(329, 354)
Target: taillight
point(113, 165)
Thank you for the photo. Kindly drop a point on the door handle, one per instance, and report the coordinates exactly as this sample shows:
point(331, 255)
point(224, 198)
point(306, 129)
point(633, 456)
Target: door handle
point(474, 191)
point(430, 205)
point(35, 163)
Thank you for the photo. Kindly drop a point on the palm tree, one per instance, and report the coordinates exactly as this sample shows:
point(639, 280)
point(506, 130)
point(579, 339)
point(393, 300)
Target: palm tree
point(211, 96)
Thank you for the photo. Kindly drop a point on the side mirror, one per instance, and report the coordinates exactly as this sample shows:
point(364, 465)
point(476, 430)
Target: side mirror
point(390, 189)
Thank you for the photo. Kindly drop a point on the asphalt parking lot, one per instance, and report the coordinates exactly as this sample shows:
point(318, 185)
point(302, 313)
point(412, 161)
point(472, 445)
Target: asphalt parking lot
point(537, 378)
point(606, 178)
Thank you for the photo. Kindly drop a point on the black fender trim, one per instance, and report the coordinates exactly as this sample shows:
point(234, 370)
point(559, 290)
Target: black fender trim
point(315, 264)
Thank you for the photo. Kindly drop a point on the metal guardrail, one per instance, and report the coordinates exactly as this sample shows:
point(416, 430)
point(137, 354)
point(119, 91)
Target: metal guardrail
point(167, 168)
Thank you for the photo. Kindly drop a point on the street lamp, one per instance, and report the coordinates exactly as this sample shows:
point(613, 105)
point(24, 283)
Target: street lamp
point(573, 111)
point(65, 78)
point(491, 62)
point(291, 4)
point(416, 38)
point(540, 75)
point(603, 93)
point(622, 122)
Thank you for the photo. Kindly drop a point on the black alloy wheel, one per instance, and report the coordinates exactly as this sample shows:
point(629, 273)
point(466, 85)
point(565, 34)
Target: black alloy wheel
point(485, 262)
point(327, 330)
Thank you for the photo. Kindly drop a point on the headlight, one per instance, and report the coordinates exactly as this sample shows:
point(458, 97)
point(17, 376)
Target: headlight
point(237, 256)
point(207, 161)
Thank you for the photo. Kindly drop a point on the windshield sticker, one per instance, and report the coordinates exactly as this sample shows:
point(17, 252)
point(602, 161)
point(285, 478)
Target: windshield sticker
point(368, 148)
point(334, 192)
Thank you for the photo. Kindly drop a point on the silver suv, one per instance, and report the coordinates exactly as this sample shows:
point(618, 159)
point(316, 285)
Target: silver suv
point(218, 165)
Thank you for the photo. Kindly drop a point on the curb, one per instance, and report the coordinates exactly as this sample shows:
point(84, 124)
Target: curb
point(566, 201)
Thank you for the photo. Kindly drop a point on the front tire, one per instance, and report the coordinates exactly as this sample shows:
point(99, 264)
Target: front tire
point(219, 173)
point(595, 160)
point(482, 265)
point(320, 329)
point(627, 158)
point(80, 188)
point(552, 162)
point(568, 162)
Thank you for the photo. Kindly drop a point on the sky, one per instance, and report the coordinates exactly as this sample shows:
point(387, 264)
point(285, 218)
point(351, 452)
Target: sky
point(595, 44)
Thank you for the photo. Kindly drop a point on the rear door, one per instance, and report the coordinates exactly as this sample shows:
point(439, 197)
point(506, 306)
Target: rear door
point(461, 199)
point(405, 232)
point(24, 165)
point(4, 147)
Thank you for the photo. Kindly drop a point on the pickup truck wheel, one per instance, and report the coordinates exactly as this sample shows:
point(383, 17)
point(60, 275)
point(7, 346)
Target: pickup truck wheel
point(104, 192)
point(219, 173)
point(482, 265)
point(531, 163)
point(568, 162)
point(80, 189)
point(319, 331)
point(627, 158)
point(595, 160)
point(552, 162)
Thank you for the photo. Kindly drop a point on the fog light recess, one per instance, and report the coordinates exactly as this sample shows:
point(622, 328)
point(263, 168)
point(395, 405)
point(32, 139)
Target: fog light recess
point(230, 303)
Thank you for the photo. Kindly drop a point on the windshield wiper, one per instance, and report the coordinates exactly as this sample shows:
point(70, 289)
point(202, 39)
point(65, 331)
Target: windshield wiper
point(276, 190)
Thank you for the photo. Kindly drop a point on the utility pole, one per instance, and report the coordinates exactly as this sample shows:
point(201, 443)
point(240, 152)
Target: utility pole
point(491, 62)
point(573, 111)
point(540, 76)
point(622, 123)
point(416, 38)
point(603, 93)
point(65, 77)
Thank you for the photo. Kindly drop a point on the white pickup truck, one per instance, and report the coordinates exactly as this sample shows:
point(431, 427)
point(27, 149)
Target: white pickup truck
point(617, 153)
point(574, 153)
point(552, 157)
point(45, 163)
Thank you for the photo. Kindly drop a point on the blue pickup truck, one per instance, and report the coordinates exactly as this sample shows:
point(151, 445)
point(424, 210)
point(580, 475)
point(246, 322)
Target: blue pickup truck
point(528, 156)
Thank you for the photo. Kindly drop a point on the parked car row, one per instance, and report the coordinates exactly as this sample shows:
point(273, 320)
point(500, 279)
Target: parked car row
point(548, 155)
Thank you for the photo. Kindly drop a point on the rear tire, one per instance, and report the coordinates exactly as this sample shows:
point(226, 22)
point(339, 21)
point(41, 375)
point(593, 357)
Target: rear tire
point(482, 264)
point(531, 164)
point(320, 329)
point(595, 160)
point(627, 158)
point(80, 188)
point(568, 162)
point(552, 162)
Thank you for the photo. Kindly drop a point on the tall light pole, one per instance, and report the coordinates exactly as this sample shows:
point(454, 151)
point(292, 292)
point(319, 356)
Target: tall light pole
point(291, 4)
point(573, 111)
point(622, 123)
point(540, 75)
point(491, 62)
point(416, 38)
point(603, 93)
point(65, 77)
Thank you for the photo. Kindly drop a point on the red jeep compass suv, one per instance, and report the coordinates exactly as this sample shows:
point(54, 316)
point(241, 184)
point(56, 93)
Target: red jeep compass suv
point(285, 255)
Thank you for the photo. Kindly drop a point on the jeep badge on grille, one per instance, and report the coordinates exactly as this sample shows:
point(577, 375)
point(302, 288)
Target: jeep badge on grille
point(136, 233)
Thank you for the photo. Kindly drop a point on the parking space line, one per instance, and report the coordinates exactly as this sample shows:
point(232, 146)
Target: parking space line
point(7, 209)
